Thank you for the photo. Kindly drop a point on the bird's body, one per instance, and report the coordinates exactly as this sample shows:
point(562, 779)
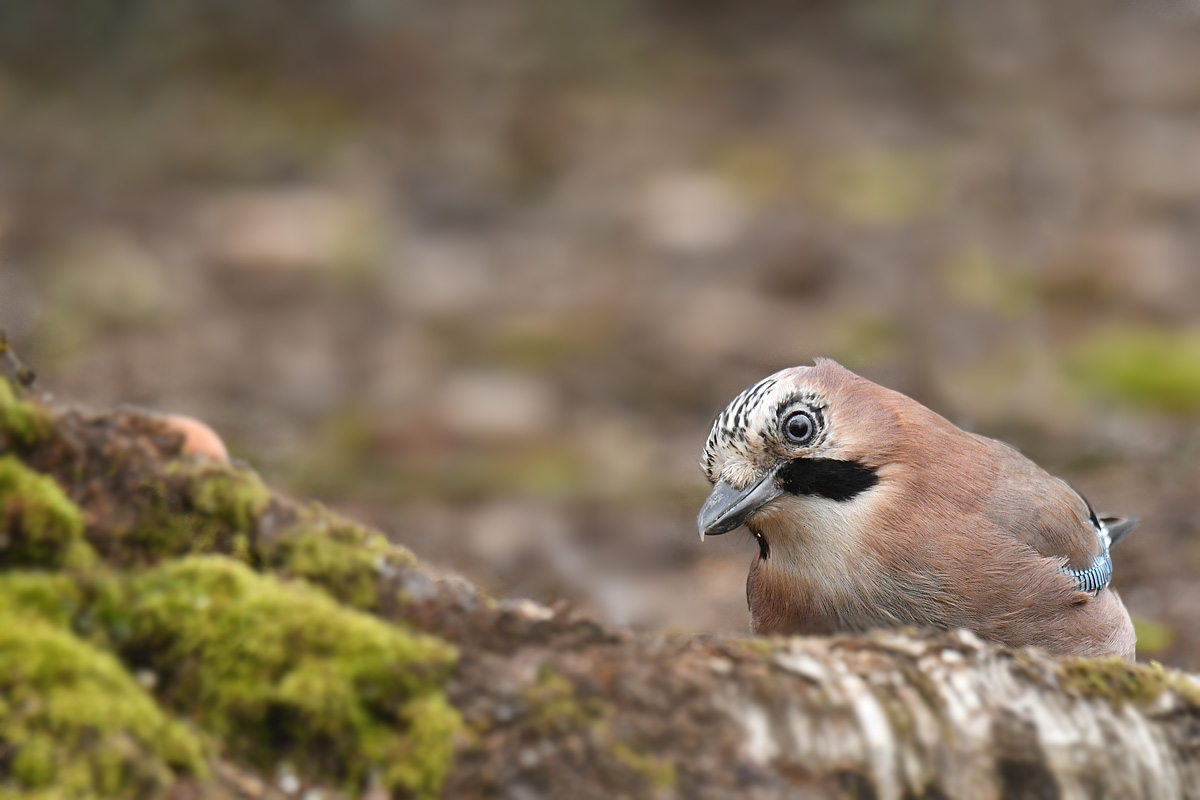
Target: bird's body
point(871, 511)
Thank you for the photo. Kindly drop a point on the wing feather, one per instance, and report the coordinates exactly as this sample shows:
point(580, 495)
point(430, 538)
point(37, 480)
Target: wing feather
point(1041, 510)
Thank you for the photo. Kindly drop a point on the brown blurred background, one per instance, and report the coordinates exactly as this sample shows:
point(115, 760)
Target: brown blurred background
point(481, 274)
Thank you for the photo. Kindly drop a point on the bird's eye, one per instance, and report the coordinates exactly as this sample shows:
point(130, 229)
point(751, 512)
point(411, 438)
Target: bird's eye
point(799, 427)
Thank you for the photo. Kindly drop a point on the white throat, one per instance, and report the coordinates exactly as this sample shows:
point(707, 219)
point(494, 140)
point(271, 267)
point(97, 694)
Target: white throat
point(822, 542)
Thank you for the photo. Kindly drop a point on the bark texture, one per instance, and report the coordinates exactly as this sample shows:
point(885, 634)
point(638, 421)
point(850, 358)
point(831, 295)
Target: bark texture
point(396, 680)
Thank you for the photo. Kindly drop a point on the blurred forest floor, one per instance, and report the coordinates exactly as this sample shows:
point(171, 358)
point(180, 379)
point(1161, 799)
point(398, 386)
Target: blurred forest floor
point(482, 274)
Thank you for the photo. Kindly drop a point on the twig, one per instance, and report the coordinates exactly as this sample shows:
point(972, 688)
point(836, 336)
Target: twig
point(12, 366)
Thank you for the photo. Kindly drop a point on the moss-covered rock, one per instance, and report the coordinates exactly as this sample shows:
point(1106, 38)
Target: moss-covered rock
point(344, 559)
point(234, 496)
point(281, 672)
point(184, 506)
point(554, 708)
point(157, 580)
point(658, 772)
point(21, 421)
point(187, 506)
point(74, 723)
point(167, 525)
point(39, 525)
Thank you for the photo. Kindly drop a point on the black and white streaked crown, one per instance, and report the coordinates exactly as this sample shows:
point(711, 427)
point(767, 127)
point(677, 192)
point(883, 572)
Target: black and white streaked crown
point(731, 425)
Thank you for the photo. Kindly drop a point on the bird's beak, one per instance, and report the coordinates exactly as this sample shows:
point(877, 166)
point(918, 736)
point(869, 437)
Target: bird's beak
point(727, 507)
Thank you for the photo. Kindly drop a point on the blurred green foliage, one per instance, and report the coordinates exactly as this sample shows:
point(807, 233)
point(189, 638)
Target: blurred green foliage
point(879, 187)
point(974, 277)
point(1144, 367)
point(1152, 636)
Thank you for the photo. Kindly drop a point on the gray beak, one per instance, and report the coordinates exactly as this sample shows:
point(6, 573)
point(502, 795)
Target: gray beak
point(727, 507)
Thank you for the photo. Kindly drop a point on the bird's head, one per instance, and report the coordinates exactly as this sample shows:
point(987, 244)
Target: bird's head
point(798, 453)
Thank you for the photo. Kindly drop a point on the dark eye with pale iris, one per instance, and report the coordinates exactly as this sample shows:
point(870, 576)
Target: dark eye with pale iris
point(799, 427)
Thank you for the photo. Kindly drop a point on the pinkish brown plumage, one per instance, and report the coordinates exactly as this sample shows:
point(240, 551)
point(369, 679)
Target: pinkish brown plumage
point(871, 511)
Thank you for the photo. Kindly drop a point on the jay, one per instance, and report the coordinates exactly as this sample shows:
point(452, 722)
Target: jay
point(872, 511)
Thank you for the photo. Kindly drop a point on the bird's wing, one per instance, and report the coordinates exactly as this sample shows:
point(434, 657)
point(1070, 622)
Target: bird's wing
point(1042, 511)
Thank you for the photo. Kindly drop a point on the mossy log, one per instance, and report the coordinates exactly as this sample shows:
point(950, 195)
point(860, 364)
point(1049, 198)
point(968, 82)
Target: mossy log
point(169, 627)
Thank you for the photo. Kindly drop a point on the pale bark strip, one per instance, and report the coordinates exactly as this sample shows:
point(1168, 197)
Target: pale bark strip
point(893, 716)
point(885, 716)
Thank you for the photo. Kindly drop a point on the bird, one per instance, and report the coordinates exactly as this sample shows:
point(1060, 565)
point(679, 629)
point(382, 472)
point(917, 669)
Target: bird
point(871, 511)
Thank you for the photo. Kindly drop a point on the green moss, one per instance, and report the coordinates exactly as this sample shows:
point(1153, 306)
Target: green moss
point(1142, 367)
point(1120, 681)
point(556, 710)
point(158, 536)
point(427, 749)
point(342, 558)
point(39, 525)
point(76, 725)
point(234, 496)
point(756, 646)
point(51, 597)
point(554, 707)
point(658, 772)
point(162, 529)
point(281, 672)
point(195, 508)
point(22, 420)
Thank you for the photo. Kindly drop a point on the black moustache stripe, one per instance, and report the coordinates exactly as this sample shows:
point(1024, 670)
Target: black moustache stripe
point(827, 477)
